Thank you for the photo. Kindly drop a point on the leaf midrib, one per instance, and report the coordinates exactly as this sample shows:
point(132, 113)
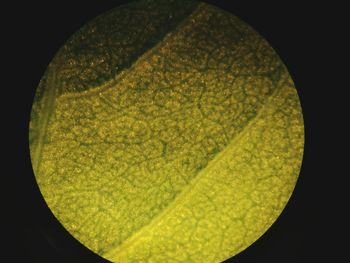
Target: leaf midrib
point(190, 187)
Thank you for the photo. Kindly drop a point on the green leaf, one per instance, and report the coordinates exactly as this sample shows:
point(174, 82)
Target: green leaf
point(187, 153)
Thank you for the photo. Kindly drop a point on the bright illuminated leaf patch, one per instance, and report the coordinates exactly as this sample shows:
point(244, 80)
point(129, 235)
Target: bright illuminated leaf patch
point(166, 131)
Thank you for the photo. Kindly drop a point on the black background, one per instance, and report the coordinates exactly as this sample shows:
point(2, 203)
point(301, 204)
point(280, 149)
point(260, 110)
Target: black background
point(298, 32)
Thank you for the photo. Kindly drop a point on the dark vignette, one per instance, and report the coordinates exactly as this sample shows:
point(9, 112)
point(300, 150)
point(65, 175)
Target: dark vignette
point(39, 29)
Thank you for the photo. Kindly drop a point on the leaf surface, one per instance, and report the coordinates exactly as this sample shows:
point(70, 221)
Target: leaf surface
point(187, 155)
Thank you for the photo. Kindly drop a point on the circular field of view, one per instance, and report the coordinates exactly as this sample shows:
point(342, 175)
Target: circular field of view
point(166, 131)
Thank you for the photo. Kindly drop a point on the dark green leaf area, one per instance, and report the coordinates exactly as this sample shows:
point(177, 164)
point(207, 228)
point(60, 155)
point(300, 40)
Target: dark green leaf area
point(114, 40)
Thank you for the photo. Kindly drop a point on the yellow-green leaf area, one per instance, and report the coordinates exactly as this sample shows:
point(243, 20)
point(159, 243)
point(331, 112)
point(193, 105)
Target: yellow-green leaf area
point(187, 154)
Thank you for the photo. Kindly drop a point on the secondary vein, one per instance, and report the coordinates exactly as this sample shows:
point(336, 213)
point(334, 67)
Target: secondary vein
point(144, 57)
point(48, 105)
